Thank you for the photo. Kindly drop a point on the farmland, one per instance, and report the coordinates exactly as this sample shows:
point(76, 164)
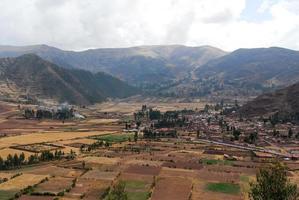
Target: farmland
point(85, 158)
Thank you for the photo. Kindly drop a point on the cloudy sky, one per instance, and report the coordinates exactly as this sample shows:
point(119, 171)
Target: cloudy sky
point(83, 24)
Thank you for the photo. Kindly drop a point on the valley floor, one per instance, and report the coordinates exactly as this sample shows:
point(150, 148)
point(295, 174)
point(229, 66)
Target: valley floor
point(169, 168)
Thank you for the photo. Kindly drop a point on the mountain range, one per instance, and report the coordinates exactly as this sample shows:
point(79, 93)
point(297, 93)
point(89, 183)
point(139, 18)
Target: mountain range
point(137, 65)
point(29, 76)
point(181, 71)
point(252, 71)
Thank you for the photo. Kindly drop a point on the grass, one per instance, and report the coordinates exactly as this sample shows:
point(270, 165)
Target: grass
point(216, 162)
point(138, 195)
point(227, 188)
point(137, 190)
point(115, 138)
point(135, 185)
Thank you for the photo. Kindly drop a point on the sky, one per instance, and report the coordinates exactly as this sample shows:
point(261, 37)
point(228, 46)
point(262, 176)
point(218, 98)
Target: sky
point(84, 24)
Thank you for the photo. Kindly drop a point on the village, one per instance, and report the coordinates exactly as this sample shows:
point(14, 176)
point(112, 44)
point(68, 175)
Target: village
point(210, 125)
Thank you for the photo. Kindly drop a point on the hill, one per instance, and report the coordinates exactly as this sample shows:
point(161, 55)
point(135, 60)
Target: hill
point(284, 102)
point(29, 75)
point(250, 71)
point(142, 66)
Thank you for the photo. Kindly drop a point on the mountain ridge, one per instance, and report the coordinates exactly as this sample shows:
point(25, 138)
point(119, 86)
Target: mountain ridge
point(29, 74)
point(136, 65)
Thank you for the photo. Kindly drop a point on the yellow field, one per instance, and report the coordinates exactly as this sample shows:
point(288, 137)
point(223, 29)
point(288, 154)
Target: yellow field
point(22, 182)
point(68, 149)
point(83, 141)
point(100, 160)
point(45, 137)
point(4, 152)
point(5, 175)
point(144, 162)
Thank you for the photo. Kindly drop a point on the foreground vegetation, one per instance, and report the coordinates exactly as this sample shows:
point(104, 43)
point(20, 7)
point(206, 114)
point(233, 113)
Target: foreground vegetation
point(272, 183)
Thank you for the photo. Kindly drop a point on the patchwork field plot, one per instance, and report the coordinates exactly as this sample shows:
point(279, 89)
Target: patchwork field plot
point(22, 181)
point(10, 188)
point(144, 163)
point(100, 160)
point(170, 172)
point(174, 188)
point(54, 186)
point(45, 137)
point(200, 192)
point(206, 174)
point(137, 190)
point(227, 188)
point(115, 138)
point(80, 141)
point(52, 170)
point(100, 175)
point(144, 170)
point(89, 188)
point(6, 151)
point(37, 148)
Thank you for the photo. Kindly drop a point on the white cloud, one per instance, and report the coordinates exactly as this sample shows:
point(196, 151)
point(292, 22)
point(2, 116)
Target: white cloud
point(76, 24)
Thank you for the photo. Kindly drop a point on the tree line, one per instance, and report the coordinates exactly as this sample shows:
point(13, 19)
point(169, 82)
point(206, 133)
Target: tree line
point(16, 161)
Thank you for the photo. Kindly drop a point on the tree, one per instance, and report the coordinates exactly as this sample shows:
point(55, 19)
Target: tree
point(251, 139)
point(290, 133)
point(135, 137)
point(1, 163)
point(118, 192)
point(236, 134)
point(22, 158)
point(16, 160)
point(272, 184)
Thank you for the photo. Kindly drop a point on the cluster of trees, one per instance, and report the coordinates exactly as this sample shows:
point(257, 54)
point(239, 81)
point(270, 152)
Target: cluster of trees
point(12, 162)
point(171, 119)
point(252, 138)
point(16, 161)
point(232, 130)
point(154, 114)
point(152, 134)
point(171, 123)
point(95, 145)
point(61, 114)
point(278, 117)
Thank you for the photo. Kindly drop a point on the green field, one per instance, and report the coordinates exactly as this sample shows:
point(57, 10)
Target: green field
point(115, 138)
point(138, 195)
point(216, 162)
point(227, 188)
point(137, 190)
